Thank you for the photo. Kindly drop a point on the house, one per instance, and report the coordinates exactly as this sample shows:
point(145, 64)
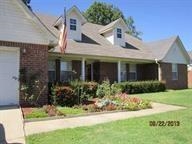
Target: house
point(190, 71)
point(94, 52)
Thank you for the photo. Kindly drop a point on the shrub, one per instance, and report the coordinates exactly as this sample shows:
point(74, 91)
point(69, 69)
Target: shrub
point(31, 88)
point(106, 90)
point(64, 96)
point(142, 87)
point(84, 90)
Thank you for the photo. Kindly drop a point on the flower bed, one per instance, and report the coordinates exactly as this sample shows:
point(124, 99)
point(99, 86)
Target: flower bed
point(107, 103)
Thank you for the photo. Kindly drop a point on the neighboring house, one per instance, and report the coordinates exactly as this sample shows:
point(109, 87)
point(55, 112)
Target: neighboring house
point(190, 71)
point(93, 52)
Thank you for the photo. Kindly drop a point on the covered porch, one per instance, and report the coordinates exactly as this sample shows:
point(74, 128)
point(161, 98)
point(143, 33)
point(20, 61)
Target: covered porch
point(65, 68)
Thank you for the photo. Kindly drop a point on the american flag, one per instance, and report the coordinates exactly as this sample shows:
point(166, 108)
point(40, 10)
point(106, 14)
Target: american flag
point(63, 34)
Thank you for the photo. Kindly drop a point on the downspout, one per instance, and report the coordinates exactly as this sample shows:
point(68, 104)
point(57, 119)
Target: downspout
point(159, 69)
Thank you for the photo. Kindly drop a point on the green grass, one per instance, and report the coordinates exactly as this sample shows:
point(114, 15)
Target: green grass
point(177, 97)
point(37, 113)
point(71, 111)
point(134, 130)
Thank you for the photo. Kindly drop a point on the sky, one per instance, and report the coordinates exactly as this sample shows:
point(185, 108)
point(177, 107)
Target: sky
point(156, 19)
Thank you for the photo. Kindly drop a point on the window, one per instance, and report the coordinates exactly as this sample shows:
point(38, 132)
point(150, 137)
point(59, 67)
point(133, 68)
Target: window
point(51, 71)
point(73, 24)
point(66, 71)
point(123, 72)
point(132, 72)
point(174, 72)
point(119, 33)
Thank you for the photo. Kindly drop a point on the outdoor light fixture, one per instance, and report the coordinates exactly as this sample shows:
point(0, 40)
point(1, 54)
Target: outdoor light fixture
point(24, 50)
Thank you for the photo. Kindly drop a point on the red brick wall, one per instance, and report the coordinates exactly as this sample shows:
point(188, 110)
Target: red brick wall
point(76, 66)
point(147, 71)
point(108, 71)
point(181, 83)
point(35, 61)
point(190, 79)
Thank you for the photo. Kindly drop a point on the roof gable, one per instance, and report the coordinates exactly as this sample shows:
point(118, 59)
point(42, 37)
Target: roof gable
point(78, 13)
point(19, 24)
point(112, 25)
point(72, 10)
point(177, 53)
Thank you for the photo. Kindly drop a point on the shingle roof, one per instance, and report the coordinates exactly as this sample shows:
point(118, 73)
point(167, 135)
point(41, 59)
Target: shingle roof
point(112, 25)
point(94, 44)
point(161, 47)
point(19, 24)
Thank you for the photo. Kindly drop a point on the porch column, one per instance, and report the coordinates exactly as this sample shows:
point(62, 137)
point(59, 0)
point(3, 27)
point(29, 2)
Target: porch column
point(119, 71)
point(159, 72)
point(83, 69)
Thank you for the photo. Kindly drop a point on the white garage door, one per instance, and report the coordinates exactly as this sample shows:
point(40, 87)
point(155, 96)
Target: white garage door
point(9, 71)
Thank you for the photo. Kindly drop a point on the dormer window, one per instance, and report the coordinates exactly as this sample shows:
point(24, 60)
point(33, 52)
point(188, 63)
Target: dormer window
point(73, 24)
point(119, 33)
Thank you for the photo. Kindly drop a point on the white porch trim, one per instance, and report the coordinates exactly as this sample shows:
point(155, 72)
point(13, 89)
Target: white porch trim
point(83, 69)
point(119, 71)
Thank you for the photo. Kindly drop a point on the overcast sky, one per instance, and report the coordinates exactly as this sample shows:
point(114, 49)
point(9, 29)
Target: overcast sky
point(157, 19)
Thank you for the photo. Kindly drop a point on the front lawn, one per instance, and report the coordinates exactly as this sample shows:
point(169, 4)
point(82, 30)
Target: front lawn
point(177, 97)
point(134, 130)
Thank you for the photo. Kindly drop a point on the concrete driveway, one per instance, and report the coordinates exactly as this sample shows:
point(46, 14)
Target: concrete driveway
point(11, 126)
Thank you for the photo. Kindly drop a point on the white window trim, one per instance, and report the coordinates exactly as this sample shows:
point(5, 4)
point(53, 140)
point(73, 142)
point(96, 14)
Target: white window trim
point(72, 24)
point(174, 70)
point(119, 33)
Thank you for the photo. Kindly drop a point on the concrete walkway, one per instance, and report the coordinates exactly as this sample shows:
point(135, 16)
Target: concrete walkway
point(11, 126)
point(50, 125)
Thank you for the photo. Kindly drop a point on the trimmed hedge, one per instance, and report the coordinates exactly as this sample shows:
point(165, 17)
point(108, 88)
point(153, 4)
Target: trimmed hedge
point(142, 87)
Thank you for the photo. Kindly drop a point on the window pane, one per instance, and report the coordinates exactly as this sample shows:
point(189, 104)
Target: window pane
point(52, 76)
point(73, 21)
point(51, 65)
point(66, 66)
point(132, 76)
point(132, 68)
point(118, 30)
point(174, 67)
point(66, 76)
point(123, 72)
point(73, 27)
point(174, 76)
point(119, 36)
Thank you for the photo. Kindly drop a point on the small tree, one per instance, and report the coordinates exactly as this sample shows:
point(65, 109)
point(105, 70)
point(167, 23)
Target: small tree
point(103, 14)
point(132, 28)
point(31, 87)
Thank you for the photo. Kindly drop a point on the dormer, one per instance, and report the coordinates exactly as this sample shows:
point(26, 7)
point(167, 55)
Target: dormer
point(115, 32)
point(74, 22)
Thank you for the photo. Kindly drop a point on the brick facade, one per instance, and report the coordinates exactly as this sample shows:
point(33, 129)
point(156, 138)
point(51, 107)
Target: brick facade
point(109, 71)
point(166, 71)
point(33, 60)
point(76, 66)
point(147, 71)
